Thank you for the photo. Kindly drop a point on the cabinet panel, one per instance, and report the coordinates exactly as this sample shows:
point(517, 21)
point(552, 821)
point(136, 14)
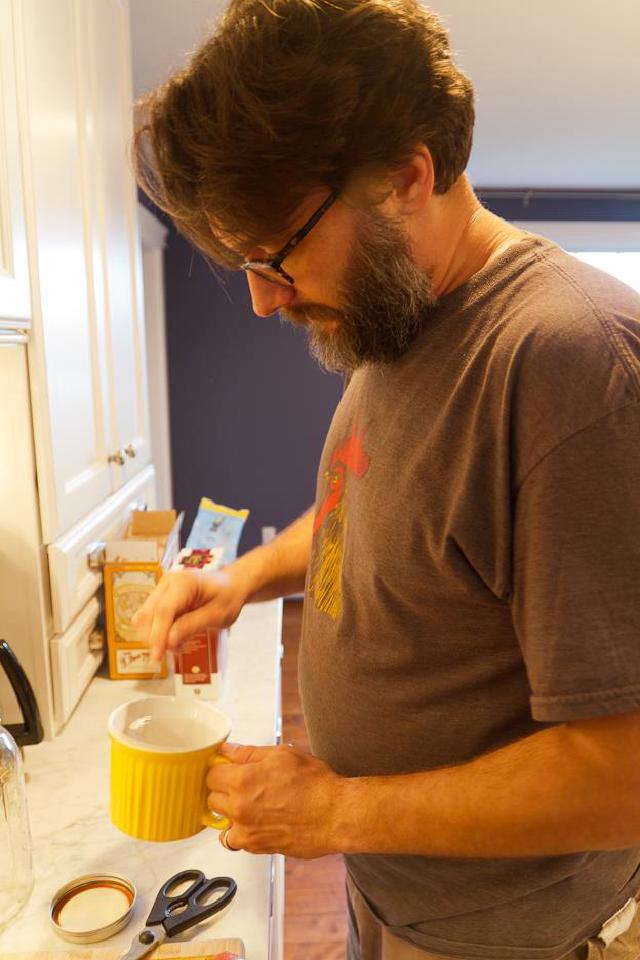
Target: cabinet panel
point(15, 302)
point(69, 381)
point(73, 581)
point(24, 619)
point(88, 356)
point(107, 31)
point(74, 661)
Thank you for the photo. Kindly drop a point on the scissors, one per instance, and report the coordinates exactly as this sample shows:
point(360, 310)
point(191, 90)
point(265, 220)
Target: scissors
point(175, 913)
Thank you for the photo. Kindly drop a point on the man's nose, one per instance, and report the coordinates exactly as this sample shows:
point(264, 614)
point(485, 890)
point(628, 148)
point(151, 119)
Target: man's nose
point(267, 297)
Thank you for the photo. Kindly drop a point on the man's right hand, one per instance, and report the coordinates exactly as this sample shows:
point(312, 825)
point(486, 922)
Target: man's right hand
point(185, 603)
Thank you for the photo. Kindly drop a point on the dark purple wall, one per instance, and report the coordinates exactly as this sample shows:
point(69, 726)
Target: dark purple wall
point(249, 408)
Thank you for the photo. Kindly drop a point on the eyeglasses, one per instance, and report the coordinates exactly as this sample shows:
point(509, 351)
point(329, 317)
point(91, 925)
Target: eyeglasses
point(271, 268)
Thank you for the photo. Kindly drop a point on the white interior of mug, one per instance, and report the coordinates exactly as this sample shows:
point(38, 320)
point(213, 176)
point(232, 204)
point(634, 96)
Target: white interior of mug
point(169, 725)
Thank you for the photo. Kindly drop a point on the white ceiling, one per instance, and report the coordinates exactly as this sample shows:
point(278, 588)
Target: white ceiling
point(557, 82)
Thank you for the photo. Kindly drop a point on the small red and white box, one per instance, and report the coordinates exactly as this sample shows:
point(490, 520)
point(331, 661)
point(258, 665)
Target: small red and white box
point(200, 666)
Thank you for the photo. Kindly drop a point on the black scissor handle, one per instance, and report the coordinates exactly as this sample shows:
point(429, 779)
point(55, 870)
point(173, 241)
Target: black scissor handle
point(165, 898)
point(181, 911)
point(196, 910)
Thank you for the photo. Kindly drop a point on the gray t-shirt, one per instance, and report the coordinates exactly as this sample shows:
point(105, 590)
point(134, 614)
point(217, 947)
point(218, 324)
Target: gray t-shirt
point(475, 576)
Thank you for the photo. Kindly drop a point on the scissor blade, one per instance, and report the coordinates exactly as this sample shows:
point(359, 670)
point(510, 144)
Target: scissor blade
point(143, 943)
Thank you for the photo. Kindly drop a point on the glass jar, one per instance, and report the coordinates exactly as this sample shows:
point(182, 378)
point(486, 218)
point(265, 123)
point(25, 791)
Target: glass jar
point(16, 871)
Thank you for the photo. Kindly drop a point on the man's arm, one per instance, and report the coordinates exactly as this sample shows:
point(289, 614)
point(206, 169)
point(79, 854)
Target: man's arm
point(567, 788)
point(279, 567)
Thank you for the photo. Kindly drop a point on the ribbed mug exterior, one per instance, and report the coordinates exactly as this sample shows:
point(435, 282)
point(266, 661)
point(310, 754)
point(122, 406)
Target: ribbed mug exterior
point(158, 791)
point(139, 779)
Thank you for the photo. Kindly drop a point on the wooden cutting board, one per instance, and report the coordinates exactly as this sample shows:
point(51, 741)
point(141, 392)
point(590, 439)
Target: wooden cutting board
point(203, 950)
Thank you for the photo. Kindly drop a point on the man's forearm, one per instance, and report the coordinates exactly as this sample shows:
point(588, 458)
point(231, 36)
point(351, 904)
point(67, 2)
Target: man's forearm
point(279, 567)
point(565, 789)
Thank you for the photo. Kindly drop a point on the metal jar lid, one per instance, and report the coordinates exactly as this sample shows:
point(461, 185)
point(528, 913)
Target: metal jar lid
point(93, 907)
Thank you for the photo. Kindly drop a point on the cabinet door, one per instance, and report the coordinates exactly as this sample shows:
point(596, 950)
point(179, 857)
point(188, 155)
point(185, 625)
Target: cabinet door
point(87, 357)
point(106, 25)
point(15, 304)
point(68, 372)
point(24, 621)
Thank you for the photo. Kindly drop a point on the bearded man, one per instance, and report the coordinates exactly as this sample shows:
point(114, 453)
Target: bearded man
point(470, 659)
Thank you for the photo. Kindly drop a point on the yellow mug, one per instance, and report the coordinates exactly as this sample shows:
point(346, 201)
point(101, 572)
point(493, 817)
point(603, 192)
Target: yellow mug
point(161, 749)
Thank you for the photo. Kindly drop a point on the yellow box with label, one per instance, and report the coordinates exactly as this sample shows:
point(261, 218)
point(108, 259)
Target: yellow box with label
point(133, 567)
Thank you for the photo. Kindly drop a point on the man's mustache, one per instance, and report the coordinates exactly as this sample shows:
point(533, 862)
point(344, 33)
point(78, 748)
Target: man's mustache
point(310, 313)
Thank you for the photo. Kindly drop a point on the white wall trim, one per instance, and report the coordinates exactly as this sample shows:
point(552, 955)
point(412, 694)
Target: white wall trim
point(152, 233)
point(153, 236)
point(587, 235)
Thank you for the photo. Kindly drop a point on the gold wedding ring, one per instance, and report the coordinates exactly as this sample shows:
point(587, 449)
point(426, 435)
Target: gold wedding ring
point(225, 841)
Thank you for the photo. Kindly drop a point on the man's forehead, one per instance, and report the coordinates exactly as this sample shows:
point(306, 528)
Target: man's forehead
point(240, 244)
point(226, 239)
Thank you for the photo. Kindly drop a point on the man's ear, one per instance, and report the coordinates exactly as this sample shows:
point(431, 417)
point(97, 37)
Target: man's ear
point(412, 184)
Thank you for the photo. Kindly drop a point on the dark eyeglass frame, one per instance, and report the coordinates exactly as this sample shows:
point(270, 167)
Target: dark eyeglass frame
point(275, 262)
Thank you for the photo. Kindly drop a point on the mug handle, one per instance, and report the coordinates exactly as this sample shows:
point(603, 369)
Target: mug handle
point(210, 818)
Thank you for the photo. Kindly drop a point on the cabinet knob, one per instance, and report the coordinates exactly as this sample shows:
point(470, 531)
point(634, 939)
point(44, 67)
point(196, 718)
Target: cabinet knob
point(130, 451)
point(96, 639)
point(117, 457)
point(96, 554)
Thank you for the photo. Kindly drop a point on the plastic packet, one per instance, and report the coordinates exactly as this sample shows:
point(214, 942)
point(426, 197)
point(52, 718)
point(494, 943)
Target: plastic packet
point(217, 526)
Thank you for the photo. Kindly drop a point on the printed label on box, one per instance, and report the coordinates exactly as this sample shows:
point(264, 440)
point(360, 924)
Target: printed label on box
point(205, 560)
point(130, 590)
point(201, 665)
point(197, 658)
point(136, 661)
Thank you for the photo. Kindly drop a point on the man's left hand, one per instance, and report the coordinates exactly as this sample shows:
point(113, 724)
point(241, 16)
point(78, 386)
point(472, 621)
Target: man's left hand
point(278, 799)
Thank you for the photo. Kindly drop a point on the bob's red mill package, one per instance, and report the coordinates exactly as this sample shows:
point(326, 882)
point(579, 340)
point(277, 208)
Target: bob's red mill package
point(200, 666)
point(133, 566)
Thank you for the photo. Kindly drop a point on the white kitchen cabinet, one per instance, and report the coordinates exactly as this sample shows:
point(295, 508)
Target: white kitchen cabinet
point(15, 305)
point(107, 39)
point(74, 437)
point(87, 353)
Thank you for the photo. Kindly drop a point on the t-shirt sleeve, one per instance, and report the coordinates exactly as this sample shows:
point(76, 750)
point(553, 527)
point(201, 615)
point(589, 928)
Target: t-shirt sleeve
point(576, 572)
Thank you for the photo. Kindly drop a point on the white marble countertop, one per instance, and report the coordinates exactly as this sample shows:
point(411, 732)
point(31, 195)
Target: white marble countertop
point(68, 795)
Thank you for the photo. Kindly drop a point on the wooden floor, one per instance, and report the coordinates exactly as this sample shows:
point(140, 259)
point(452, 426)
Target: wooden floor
point(315, 925)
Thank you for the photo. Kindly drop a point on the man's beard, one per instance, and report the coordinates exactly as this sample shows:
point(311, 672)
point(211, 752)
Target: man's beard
point(385, 300)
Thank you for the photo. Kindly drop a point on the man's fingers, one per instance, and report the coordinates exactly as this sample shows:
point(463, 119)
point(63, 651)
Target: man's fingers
point(228, 841)
point(172, 598)
point(191, 623)
point(242, 753)
point(143, 616)
point(223, 778)
point(218, 802)
point(176, 610)
point(158, 648)
point(163, 617)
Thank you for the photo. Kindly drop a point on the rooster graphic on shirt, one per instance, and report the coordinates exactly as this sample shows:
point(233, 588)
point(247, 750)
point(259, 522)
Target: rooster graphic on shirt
point(329, 525)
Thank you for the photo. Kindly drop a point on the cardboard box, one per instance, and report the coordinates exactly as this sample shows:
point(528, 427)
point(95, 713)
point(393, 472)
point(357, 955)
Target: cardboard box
point(200, 664)
point(132, 569)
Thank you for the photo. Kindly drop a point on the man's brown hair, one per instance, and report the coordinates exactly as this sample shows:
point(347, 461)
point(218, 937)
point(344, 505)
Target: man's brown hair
point(290, 95)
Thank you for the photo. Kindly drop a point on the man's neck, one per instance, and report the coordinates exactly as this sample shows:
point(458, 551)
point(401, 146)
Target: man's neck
point(465, 236)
